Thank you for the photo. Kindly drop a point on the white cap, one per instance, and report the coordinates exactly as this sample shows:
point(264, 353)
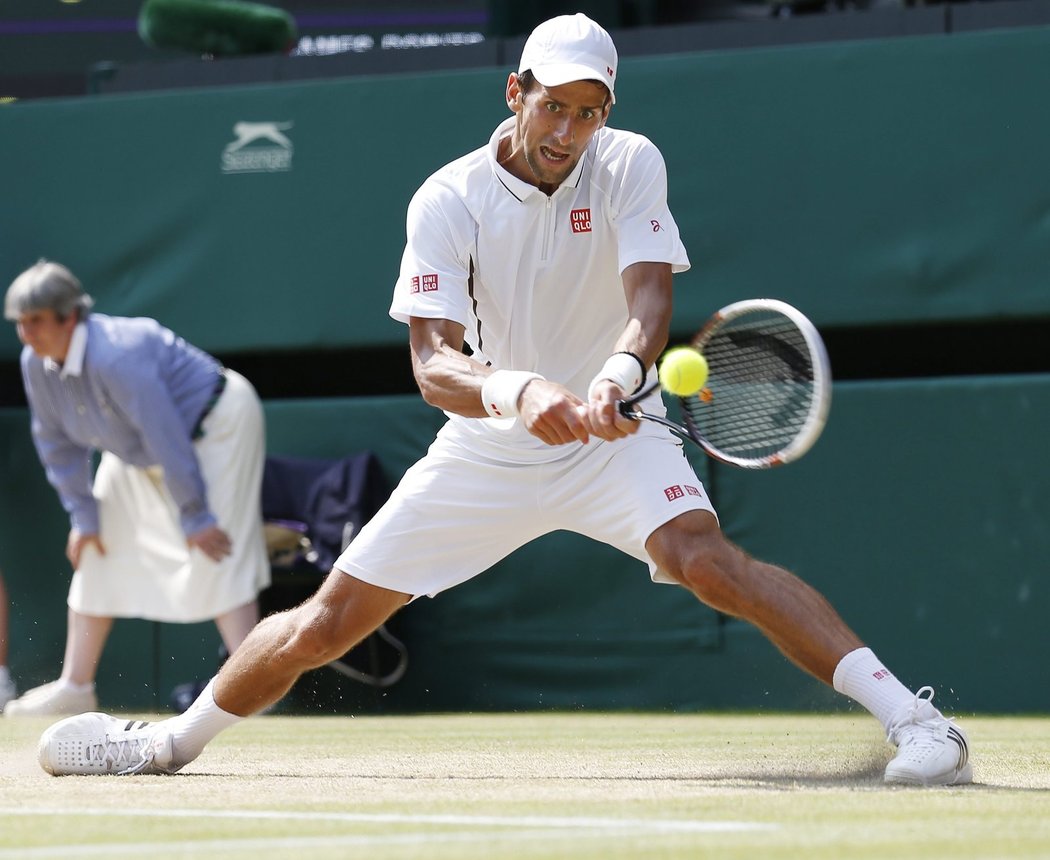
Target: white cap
point(570, 48)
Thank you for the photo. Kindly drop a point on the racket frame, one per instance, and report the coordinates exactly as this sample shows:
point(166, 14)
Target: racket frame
point(820, 405)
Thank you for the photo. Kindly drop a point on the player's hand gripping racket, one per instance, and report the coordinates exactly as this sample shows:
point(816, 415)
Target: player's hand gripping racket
point(768, 389)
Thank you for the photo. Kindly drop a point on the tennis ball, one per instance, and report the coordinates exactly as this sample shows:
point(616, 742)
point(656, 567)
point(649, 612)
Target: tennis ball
point(683, 371)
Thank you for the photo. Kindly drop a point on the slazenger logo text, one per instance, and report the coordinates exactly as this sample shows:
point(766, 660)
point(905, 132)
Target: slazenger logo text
point(258, 147)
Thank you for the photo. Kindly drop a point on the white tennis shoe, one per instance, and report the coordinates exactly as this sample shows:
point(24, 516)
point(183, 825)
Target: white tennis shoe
point(931, 749)
point(52, 700)
point(99, 744)
point(8, 692)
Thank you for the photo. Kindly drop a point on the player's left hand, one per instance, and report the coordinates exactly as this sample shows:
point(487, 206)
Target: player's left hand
point(212, 541)
point(603, 414)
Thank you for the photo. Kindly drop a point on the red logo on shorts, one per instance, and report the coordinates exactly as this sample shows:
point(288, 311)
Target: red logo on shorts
point(674, 492)
point(581, 220)
point(414, 284)
point(430, 283)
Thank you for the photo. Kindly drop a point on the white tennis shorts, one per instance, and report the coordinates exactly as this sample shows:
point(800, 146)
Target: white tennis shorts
point(148, 570)
point(454, 515)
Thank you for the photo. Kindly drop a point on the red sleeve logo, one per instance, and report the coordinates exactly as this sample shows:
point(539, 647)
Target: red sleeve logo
point(673, 493)
point(426, 283)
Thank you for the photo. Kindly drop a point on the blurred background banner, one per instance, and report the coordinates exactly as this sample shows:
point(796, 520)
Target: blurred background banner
point(896, 181)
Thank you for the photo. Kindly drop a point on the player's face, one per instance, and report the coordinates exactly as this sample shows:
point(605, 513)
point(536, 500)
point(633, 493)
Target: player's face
point(554, 126)
point(44, 333)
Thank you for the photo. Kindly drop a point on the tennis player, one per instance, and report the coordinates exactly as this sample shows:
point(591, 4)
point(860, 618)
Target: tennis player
point(536, 286)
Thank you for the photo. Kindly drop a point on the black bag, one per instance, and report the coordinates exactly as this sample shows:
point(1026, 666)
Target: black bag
point(323, 504)
point(327, 501)
point(312, 509)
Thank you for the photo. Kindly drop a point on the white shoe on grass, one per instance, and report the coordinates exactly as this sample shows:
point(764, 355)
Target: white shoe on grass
point(100, 744)
point(8, 693)
point(931, 749)
point(52, 700)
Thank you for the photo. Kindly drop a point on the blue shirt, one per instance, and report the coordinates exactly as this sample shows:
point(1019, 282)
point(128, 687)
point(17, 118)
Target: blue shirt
point(130, 387)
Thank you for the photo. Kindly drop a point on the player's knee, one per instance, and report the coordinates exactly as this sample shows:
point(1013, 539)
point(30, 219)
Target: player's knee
point(708, 568)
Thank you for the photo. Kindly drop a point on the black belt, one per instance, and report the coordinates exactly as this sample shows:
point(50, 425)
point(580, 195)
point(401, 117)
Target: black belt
point(216, 393)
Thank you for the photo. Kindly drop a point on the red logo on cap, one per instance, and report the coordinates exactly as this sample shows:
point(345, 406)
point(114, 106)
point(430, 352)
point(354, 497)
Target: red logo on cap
point(610, 71)
point(581, 220)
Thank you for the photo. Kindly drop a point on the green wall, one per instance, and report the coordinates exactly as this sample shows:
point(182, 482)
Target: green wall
point(868, 182)
point(917, 514)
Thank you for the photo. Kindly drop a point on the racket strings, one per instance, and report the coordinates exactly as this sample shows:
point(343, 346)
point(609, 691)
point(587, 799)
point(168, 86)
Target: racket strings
point(760, 389)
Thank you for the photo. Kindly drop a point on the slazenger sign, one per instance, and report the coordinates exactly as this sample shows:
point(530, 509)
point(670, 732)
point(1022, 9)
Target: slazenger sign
point(258, 147)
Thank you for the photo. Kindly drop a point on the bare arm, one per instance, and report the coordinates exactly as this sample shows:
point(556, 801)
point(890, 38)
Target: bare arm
point(446, 377)
point(452, 381)
point(649, 303)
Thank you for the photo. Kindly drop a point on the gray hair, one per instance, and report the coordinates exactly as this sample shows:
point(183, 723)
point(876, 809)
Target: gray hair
point(47, 286)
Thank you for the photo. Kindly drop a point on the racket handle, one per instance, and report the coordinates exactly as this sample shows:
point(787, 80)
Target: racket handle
point(626, 406)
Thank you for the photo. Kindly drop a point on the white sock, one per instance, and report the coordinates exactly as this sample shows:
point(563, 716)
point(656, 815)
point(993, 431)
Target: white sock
point(202, 721)
point(5, 675)
point(65, 684)
point(861, 676)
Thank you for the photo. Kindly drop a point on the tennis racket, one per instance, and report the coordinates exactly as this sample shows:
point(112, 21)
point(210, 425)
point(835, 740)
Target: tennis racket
point(768, 390)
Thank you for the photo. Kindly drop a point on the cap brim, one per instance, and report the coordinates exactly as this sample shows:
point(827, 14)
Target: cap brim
point(556, 74)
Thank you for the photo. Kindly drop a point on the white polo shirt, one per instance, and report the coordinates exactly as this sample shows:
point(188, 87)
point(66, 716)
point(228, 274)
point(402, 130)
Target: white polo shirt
point(535, 280)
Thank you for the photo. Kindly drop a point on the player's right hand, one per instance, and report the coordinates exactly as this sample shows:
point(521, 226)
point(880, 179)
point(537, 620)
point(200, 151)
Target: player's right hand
point(552, 413)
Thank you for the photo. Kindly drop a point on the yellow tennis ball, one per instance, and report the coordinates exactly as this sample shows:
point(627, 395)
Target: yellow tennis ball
point(683, 371)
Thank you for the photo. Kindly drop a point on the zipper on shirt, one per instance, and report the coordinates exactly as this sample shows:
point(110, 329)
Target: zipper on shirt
point(548, 229)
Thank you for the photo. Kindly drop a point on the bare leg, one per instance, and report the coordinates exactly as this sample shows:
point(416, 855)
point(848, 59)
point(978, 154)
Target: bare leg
point(236, 624)
point(283, 646)
point(86, 636)
point(793, 616)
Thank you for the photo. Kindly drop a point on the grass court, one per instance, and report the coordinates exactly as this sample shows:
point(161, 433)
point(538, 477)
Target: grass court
point(538, 785)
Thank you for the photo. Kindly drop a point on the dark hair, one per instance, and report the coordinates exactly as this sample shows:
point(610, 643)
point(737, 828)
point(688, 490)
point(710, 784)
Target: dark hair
point(527, 79)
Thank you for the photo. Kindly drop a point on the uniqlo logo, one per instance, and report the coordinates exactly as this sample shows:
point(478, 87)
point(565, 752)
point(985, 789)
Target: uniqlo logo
point(882, 673)
point(581, 220)
point(673, 493)
point(430, 283)
point(414, 284)
point(693, 491)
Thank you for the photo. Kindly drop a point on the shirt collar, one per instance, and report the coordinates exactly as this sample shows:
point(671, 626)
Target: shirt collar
point(519, 187)
point(74, 363)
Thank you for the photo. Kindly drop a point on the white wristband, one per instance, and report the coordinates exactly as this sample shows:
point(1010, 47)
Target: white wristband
point(501, 390)
point(623, 368)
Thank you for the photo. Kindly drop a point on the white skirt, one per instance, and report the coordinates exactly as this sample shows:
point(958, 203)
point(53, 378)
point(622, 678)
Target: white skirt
point(148, 570)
